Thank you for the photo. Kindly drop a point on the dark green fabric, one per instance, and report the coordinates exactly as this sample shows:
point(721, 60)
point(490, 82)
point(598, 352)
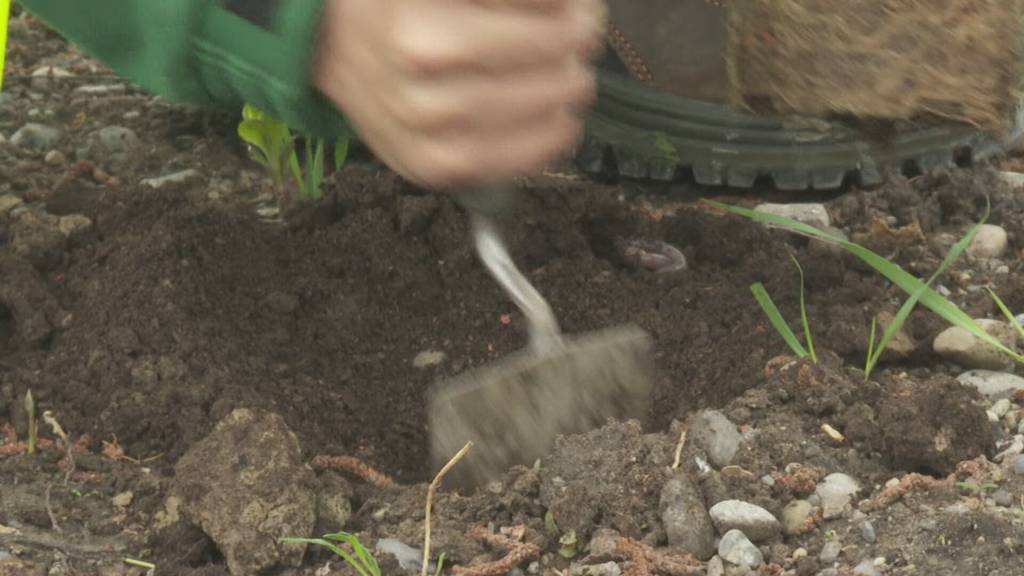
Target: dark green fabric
point(196, 52)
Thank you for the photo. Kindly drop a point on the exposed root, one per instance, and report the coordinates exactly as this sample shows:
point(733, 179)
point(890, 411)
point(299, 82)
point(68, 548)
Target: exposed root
point(907, 484)
point(355, 467)
point(646, 561)
point(430, 501)
point(801, 482)
point(518, 553)
point(49, 509)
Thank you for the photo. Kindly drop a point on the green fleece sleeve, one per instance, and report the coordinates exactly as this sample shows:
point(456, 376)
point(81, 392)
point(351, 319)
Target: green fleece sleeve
point(208, 52)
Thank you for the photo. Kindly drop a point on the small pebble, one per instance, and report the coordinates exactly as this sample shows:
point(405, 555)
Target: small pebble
point(960, 346)
point(1001, 407)
point(123, 500)
point(1018, 466)
point(736, 549)
point(182, 177)
point(867, 568)
point(829, 552)
point(37, 136)
point(867, 531)
point(812, 214)
point(54, 158)
point(990, 242)
point(429, 359)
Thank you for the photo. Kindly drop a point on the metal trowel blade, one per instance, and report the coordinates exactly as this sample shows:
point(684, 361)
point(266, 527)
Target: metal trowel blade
point(514, 409)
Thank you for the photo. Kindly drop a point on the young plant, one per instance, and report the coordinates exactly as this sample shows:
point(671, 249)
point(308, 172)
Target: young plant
point(780, 325)
point(919, 291)
point(875, 351)
point(270, 142)
point(361, 560)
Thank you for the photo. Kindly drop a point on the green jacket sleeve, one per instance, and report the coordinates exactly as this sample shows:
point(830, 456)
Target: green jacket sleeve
point(207, 52)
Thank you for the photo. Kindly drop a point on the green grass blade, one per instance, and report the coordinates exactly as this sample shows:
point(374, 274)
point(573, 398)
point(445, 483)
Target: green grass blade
point(904, 312)
point(803, 313)
point(775, 317)
point(1006, 312)
point(897, 275)
point(341, 151)
point(333, 548)
point(871, 348)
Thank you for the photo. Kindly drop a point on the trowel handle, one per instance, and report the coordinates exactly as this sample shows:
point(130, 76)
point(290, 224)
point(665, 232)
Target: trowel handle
point(483, 205)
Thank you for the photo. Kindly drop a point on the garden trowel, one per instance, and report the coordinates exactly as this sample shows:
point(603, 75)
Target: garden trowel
point(515, 409)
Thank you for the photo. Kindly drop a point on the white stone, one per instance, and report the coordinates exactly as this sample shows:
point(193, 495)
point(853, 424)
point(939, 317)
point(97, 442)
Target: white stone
point(181, 177)
point(991, 242)
point(812, 214)
point(755, 522)
point(836, 492)
point(962, 347)
point(429, 358)
point(736, 549)
point(994, 385)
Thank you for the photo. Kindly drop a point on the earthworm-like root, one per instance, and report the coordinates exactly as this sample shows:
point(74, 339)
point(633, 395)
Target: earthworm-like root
point(907, 484)
point(646, 561)
point(355, 467)
point(517, 553)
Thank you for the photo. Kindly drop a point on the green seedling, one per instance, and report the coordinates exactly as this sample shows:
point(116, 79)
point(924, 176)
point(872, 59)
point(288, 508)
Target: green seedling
point(440, 565)
point(875, 351)
point(907, 282)
point(33, 425)
point(361, 560)
point(270, 142)
point(779, 323)
point(1006, 312)
point(272, 145)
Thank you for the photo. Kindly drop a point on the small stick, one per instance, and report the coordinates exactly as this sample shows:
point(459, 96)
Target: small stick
point(49, 509)
point(353, 466)
point(58, 431)
point(430, 500)
point(679, 449)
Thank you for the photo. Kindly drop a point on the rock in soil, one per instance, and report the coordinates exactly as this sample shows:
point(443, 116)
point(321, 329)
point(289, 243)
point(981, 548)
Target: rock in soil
point(35, 136)
point(812, 214)
point(755, 522)
point(687, 523)
point(994, 385)
point(606, 569)
point(991, 242)
point(962, 347)
point(737, 550)
point(247, 486)
point(836, 493)
point(796, 516)
point(716, 435)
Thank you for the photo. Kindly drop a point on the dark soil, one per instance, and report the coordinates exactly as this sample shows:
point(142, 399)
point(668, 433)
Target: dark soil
point(183, 303)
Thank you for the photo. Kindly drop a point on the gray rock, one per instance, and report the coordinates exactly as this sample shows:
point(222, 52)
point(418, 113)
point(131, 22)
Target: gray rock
point(960, 346)
point(813, 214)
point(246, 485)
point(736, 549)
point(836, 492)
point(795, 516)
point(867, 568)
point(867, 532)
point(112, 140)
point(992, 384)
point(45, 76)
point(429, 359)
point(715, 567)
point(409, 558)
point(755, 522)
point(1018, 466)
point(123, 499)
point(991, 242)
point(177, 178)
point(830, 552)
point(35, 136)
point(606, 569)
point(603, 543)
point(100, 89)
point(687, 523)
point(829, 572)
point(716, 436)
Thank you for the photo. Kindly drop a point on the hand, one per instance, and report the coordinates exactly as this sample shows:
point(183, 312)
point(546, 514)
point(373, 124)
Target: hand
point(460, 92)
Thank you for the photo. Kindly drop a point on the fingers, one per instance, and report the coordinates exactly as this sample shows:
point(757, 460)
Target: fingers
point(463, 38)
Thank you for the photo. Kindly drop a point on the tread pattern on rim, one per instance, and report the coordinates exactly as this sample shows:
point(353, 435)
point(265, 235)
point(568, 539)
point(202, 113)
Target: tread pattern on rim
point(641, 134)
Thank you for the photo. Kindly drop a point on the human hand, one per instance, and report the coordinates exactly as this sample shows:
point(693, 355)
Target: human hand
point(461, 92)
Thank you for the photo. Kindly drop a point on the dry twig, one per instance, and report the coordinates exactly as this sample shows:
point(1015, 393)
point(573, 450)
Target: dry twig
point(58, 431)
point(518, 552)
point(430, 501)
point(646, 561)
point(49, 509)
point(679, 449)
point(355, 467)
